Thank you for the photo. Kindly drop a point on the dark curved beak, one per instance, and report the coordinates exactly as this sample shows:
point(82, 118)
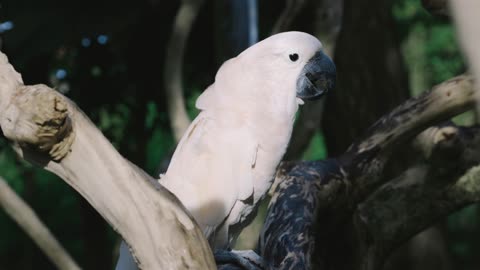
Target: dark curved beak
point(317, 77)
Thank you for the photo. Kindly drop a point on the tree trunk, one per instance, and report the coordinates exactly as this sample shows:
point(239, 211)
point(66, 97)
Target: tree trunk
point(371, 77)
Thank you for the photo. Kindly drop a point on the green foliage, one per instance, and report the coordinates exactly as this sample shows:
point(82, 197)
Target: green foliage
point(430, 48)
point(464, 237)
point(191, 109)
point(317, 149)
point(160, 145)
point(113, 120)
point(443, 52)
point(433, 55)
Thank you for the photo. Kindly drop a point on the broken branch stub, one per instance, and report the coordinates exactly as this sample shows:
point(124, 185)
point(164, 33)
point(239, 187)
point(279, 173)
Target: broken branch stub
point(37, 120)
point(48, 129)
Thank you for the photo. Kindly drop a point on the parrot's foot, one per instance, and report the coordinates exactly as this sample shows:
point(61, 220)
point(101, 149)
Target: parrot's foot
point(239, 260)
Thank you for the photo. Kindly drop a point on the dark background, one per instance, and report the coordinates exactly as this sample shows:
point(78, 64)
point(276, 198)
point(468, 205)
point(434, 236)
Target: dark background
point(108, 56)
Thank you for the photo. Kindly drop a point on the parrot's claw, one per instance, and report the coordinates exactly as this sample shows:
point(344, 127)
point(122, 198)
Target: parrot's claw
point(239, 260)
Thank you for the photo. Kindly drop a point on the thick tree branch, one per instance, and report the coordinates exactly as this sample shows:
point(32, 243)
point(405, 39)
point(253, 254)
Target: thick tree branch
point(365, 159)
point(172, 76)
point(49, 130)
point(423, 194)
point(26, 218)
point(324, 194)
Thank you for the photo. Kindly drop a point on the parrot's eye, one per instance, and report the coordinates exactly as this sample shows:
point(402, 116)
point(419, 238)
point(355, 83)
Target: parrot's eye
point(293, 57)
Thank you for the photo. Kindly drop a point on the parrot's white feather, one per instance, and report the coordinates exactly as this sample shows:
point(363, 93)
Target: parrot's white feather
point(223, 164)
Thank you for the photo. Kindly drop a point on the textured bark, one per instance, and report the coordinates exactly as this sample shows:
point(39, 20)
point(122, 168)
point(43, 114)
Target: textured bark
point(49, 130)
point(26, 218)
point(424, 193)
point(371, 74)
point(313, 219)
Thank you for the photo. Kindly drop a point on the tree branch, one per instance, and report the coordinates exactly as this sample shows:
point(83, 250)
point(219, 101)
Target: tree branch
point(172, 76)
point(423, 194)
point(49, 130)
point(26, 218)
point(324, 194)
point(365, 159)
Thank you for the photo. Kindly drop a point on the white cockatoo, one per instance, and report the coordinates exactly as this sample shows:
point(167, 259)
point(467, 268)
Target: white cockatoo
point(226, 161)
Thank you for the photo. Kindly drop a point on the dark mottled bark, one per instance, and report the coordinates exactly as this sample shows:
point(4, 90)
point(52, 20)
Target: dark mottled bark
point(317, 216)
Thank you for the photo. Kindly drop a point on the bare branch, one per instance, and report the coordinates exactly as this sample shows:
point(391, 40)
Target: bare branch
point(423, 194)
point(366, 158)
point(324, 194)
point(172, 76)
point(26, 218)
point(49, 130)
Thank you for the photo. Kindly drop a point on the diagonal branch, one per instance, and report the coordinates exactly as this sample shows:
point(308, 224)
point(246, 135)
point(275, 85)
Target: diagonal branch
point(172, 76)
point(365, 159)
point(26, 218)
point(427, 191)
point(324, 194)
point(48, 129)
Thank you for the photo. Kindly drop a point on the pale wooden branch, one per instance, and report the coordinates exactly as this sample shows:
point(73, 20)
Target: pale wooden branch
point(26, 218)
point(173, 66)
point(49, 130)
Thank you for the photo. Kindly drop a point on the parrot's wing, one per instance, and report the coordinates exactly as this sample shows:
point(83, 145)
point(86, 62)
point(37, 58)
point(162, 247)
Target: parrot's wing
point(212, 169)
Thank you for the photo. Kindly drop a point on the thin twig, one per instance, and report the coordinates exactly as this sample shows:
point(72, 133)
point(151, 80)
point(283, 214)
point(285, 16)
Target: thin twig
point(26, 218)
point(173, 66)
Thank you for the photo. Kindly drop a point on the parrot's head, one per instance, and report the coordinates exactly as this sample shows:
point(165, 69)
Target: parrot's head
point(273, 76)
point(292, 67)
